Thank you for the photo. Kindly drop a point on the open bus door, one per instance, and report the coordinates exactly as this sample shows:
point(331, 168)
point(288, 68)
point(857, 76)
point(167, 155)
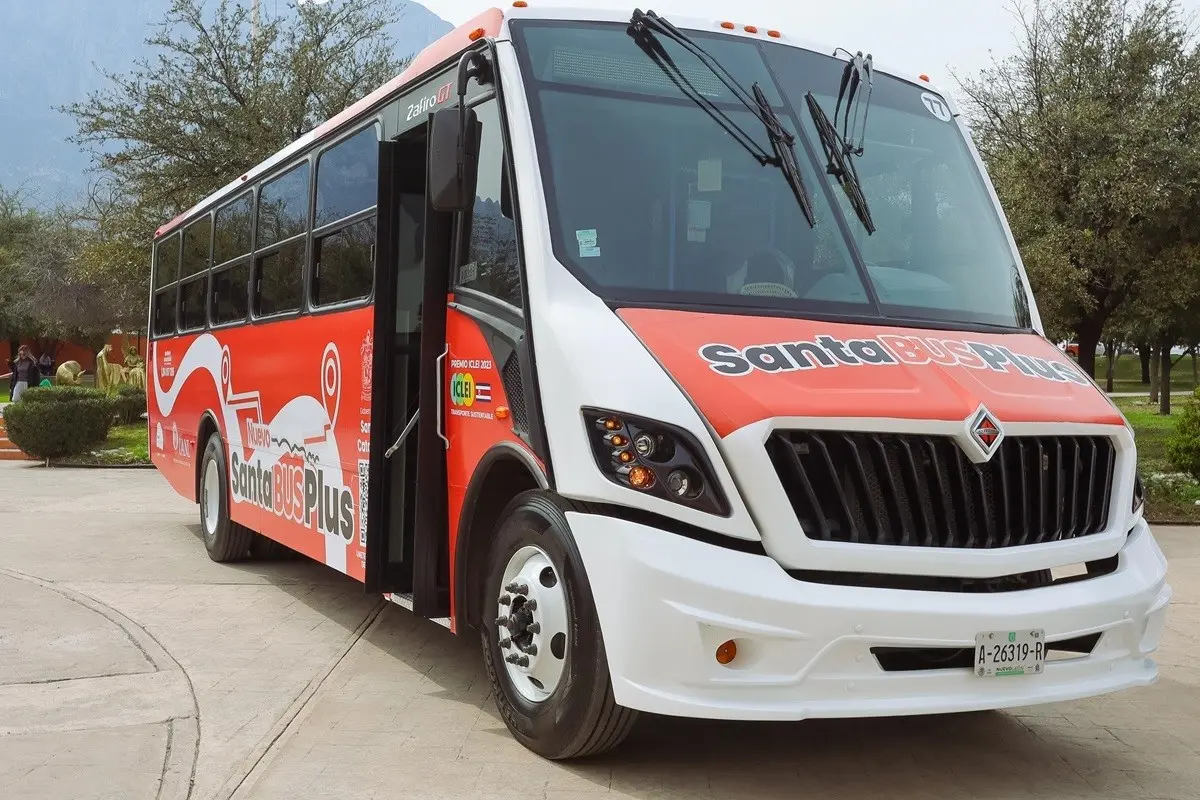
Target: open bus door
point(426, 178)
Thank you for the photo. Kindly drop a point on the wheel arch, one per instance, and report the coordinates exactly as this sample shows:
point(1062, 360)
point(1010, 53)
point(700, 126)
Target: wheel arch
point(207, 427)
point(504, 472)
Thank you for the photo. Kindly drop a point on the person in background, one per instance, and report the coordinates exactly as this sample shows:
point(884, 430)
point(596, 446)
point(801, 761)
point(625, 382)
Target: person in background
point(25, 373)
point(45, 365)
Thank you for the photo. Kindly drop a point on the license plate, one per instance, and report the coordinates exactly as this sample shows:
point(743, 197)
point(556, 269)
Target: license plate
point(1001, 654)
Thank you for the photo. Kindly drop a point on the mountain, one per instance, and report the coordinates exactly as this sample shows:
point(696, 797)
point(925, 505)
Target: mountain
point(51, 52)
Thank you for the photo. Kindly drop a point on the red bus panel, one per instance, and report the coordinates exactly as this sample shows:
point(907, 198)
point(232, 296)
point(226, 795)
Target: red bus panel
point(292, 402)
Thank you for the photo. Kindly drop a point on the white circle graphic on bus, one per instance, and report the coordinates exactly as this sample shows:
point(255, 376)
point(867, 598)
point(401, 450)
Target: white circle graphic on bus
point(936, 106)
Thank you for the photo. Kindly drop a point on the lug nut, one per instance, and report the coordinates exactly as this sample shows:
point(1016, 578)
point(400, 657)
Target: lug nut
point(502, 621)
point(520, 661)
point(517, 588)
point(531, 650)
point(534, 627)
point(505, 600)
point(505, 643)
point(531, 605)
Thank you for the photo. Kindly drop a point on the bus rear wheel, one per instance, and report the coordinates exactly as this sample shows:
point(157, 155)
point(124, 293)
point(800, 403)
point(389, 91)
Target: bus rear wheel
point(224, 539)
point(542, 645)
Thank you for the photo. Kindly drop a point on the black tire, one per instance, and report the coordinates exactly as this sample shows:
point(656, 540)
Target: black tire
point(580, 717)
point(228, 540)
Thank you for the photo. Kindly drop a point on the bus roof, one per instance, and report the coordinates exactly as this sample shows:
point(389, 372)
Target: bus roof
point(490, 24)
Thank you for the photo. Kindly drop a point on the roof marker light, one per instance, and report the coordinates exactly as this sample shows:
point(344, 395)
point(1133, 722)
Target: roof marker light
point(774, 34)
point(728, 26)
point(520, 4)
point(751, 29)
point(477, 34)
point(924, 77)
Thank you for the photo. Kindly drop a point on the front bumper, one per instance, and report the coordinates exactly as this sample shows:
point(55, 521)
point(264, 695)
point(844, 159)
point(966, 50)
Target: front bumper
point(666, 602)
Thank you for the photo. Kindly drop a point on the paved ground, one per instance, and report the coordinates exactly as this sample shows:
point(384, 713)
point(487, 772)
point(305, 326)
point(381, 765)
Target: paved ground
point(132, 667)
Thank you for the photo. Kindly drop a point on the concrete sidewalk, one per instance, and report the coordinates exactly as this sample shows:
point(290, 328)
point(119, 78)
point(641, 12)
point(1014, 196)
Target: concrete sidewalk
point(132, 667)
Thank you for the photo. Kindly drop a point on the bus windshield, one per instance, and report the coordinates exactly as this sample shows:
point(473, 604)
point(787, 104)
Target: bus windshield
point(651, 200)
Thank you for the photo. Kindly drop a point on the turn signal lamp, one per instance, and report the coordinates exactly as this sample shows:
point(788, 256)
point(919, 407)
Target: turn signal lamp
point(625, 457)
point(726, 652)
point(641, 477)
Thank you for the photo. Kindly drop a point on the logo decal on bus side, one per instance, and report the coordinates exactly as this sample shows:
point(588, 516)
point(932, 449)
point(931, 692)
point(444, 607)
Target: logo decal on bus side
point(427, 104)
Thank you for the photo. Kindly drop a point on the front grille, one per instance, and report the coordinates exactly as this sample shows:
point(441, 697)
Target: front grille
point(922, 491)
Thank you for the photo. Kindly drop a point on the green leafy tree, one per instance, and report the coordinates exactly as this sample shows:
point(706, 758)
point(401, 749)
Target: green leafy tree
point(225, 89)
point(1090, 133)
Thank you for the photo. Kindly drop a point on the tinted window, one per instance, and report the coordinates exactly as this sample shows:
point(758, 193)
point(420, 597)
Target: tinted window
point(492, 259)
point(166, 263)
point(280, 280)
point(163, 323)
point(197, 238)
point(347, 177)
point(283, 207)
point(193, 296)
point(231, 294)
point(345, 264)
point(231, 237)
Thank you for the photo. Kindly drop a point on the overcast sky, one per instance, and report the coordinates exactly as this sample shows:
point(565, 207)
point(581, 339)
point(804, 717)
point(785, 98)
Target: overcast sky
point(914, 36)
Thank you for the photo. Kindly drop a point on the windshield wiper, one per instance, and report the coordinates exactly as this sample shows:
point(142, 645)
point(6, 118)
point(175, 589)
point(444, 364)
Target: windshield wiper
point(646, 27)
point(839, 146)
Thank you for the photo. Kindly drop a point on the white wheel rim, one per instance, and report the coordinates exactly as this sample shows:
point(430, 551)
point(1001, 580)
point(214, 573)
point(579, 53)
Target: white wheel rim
point(210, 500)
point(531, 618)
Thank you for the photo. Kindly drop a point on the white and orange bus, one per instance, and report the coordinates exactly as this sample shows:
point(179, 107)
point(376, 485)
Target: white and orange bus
point(639, 348)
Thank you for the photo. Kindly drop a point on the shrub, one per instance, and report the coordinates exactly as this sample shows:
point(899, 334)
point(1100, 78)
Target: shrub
point(1183, 447)
point(130, 403)
point(59, 421)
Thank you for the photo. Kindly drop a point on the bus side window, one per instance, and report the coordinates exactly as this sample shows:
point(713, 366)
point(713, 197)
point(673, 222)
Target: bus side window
point(491, 264)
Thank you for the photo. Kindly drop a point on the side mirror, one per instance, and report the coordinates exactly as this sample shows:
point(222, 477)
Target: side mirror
point(453, 159)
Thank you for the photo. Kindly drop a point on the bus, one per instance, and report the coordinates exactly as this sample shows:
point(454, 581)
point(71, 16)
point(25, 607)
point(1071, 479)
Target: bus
point(636, 347)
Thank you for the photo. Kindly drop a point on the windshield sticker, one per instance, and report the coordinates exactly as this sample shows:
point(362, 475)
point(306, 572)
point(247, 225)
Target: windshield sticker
point(588, 243)
point(936, 106)
point(882, 350)
point(708, 176)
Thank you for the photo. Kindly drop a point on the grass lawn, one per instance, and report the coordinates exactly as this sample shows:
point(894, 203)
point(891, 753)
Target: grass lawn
point(1168, 499)
point(3, 395)
point(1127, 376)
point(126, 445)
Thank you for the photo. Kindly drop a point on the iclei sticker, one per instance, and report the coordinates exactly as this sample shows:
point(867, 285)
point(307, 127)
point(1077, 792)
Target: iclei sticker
point(589, 252)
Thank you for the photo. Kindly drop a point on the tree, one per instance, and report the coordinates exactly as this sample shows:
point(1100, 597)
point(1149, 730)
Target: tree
point(46, 291)
point(224, 91)
point(1080, 130)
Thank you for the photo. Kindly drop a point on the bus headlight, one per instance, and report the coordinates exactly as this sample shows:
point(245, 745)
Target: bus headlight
point(654, 458)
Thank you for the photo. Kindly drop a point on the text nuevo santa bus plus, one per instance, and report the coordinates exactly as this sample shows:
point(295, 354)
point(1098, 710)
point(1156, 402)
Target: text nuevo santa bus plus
point(638, 353)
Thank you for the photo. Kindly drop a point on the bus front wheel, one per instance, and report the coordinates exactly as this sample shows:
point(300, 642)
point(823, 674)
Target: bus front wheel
point(542, 645)
point(224, 539)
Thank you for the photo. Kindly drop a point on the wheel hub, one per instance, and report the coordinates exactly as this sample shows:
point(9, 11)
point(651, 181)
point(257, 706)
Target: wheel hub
point(532, 623)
